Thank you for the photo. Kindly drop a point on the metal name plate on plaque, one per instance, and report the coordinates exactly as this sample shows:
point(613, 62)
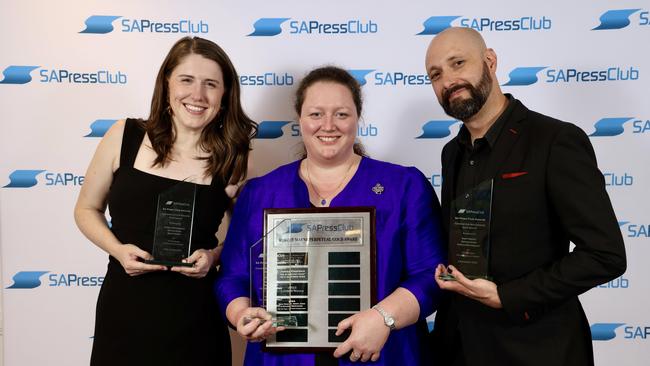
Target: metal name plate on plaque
point(319, 270)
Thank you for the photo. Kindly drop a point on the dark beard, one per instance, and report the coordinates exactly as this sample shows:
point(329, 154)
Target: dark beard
point(464, 109)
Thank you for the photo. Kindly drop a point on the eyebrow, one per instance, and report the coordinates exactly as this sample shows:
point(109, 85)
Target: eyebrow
point(447, 60)
point(191, 76)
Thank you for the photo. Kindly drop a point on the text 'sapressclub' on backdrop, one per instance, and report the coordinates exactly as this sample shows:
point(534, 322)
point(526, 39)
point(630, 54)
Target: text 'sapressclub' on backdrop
point(71, 69)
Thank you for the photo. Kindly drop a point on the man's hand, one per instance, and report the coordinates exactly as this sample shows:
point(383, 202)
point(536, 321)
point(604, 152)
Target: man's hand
point(481, 290)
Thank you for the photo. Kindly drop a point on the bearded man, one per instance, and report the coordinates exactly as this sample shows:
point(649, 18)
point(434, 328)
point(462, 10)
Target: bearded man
point(546, 191)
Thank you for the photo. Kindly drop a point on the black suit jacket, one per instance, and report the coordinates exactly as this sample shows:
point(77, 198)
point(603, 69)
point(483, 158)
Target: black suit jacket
point(560, 197)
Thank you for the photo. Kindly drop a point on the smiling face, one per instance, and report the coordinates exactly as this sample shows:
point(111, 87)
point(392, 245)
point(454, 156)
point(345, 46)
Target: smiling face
point(461, 71)
point(195, 90)
point(328, 122)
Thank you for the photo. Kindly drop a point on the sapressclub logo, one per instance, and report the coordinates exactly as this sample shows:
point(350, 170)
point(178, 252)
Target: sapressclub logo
point(522, 76)
point(437, 129)
point(21, 74)
point(388, 78)
point(610, 331)
point(103, 24)
point(27, 280)
point(99, 127)
point(27, 178)
point(622, 18)
point(270, 27)
point(268, 130)
point(438, 23)
point(631, 229)
point(614, 126)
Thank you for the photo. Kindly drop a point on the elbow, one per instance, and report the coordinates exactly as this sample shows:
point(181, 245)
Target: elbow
point(619, 265)
point(80, 215)
point(77, 214)
point(616, 264)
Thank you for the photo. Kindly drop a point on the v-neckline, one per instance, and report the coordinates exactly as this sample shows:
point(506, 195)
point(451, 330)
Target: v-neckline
point(345, 187)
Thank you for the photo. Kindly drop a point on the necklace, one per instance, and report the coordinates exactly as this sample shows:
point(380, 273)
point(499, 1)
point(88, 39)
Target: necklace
point(323, 200)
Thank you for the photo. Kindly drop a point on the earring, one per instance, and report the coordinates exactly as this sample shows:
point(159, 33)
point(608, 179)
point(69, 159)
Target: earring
point(169, 109)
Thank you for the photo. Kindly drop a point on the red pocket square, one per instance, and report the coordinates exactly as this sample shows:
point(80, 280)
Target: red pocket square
point(513, 175)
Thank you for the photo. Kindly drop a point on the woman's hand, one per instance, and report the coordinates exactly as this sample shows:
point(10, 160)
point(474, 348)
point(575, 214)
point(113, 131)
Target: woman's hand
point(255, 324)
point(203, 260)
point(132, 260)
point(368, 336)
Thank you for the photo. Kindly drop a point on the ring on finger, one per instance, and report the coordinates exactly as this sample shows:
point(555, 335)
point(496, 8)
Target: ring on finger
point(354, 356)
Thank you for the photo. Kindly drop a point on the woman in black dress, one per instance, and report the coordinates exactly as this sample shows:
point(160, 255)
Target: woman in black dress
point(149, 314)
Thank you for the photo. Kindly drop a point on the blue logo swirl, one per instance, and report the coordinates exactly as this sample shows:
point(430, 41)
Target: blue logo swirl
point(615, 19)
point(23, 178)
point(99, 127)
point(436, 129)
point(294, 228)
point(622, 223)
point(27, 279)
point(604, 331)
point(437, 24)
point(17, 74)
point(610, 126)
point(360, 75)
point(524, 75)
point(99, 24)
point(270, 129)
point(267, 27)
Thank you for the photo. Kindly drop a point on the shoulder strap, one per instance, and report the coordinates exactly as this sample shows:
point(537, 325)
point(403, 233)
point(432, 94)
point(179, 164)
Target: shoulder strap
point(217, 182)
point(131, 141)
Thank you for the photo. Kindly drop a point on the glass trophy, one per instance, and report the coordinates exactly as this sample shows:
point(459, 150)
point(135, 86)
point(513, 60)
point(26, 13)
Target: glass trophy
point(258, 280)
point(469, 232)
point(174, 221)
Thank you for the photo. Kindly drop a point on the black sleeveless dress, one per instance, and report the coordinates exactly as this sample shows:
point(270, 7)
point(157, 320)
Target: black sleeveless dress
point(159, 318)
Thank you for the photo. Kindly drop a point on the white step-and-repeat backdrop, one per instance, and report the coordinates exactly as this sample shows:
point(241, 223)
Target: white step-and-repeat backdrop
point(71, 68)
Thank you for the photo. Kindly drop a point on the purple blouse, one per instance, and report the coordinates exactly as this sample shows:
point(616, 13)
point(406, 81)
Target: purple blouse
point(409, 247)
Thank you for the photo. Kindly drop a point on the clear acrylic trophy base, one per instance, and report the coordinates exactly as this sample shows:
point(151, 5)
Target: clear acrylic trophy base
point(450, 277)
point(168, 263)
point(447, 277)
point(281, 321)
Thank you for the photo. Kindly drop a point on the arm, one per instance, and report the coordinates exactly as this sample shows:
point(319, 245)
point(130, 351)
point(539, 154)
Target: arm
point(586, 215)
point(369, 333)
point(91, 204)
point(232, 288)
point(205, 259)
point(417, 295)
point(576, 193)
point(252, 323)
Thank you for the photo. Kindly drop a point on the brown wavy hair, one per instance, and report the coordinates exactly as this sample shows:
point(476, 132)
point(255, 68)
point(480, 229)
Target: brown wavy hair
point(335, 75)
point(227, 137)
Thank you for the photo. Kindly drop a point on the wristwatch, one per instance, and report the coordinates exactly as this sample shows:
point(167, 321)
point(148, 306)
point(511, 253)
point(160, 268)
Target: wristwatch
point(388, 319)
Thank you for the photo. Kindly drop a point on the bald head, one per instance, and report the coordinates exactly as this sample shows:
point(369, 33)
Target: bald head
point(468, 38)
point(462, 72)
point(459, 39)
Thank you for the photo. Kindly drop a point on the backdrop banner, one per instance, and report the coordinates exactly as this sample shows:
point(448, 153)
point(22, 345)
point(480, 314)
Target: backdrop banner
point(71, 69)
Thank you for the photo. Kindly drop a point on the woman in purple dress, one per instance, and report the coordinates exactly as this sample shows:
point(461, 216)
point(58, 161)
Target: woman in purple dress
point(335, 173)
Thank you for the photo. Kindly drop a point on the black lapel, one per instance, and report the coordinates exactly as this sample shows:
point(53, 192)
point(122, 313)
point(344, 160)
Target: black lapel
point(449, 170)
point(509, 135)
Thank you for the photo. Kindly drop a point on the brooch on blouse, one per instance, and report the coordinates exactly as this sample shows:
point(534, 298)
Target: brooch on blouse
point(378, 189)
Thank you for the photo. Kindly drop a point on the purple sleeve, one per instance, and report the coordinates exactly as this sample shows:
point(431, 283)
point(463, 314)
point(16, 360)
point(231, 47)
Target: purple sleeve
point(421, 241)
point(233, 279)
